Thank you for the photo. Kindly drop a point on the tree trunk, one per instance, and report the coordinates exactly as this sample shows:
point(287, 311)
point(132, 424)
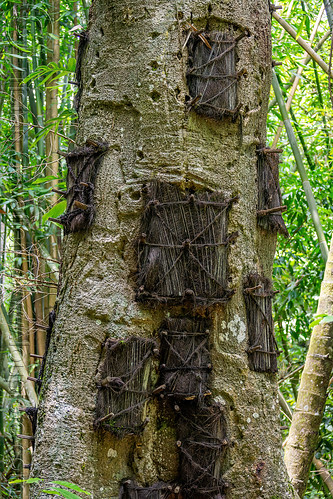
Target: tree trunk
point(311, 400)
point(134, 98)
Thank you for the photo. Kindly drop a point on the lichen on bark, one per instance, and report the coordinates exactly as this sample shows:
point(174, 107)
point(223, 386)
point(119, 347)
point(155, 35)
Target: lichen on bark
point(134, 98)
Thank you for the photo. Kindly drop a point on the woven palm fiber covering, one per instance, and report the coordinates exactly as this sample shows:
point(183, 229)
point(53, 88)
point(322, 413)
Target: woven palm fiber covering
point(202, 444)
point(212, 77)
point(182, 250)
point(269, 215)
point(83, 43)
point(52, 318)
point(82, 165)
point(131, 490)
point(185, 358)
point(124, 384)
point(262, 349)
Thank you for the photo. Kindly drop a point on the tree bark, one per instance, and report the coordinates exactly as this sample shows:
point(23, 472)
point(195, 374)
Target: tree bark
point(308, 414)
point(134, 93)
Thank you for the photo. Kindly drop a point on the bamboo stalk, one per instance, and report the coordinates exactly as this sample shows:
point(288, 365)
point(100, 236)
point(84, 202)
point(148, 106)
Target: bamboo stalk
point(51, 142)
point(307, 60)
point(301, 169)
point(297, 77)
point(302, 43)
point(303, 436)
point(323, 473)
point(329, 12)
point(301, 139)
point(10, 342)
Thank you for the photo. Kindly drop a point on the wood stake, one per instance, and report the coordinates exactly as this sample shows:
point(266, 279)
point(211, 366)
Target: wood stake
point(26, 437)
point(62, 193)
point(81, 206)
point(31, 378)
point(262, 213)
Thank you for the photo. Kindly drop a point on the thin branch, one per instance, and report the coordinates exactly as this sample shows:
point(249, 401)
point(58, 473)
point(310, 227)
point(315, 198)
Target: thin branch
point(297, 78)
point(301, 42)
point(301, 169)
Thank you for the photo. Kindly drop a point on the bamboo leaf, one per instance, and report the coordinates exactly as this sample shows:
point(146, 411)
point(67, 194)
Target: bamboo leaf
point(55, 211)
point(300, 29)
point(71, 64)
point(43, 179)
point(63, 493)
point(71, 486)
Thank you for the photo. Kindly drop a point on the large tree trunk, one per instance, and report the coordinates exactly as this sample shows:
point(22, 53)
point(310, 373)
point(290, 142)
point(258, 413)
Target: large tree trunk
point(134, 92)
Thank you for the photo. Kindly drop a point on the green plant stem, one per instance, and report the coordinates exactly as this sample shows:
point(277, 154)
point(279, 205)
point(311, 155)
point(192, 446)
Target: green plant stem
point(301, 139)
point(301, 169)
point(329, 12)
point(312, 53)
point(10, 342)
point(307, 60)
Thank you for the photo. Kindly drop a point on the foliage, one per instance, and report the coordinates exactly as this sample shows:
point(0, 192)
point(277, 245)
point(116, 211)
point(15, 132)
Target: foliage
point(56, 491)
point(26, 199)
point(298, 269)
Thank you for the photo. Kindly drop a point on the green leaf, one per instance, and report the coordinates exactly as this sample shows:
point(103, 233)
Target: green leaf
point(70, 486)
point(55, 212)
point(43, 179)
point(71, 64)
point(328, 318)
point(29, 480)
point(315, 322)
point(63, 493)
point(52, 493)
point(300, 29)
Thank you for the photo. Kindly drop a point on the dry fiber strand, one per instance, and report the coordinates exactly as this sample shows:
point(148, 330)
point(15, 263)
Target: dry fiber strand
point(183, 247)
point(212, 77)
point(269, 216)
point(82, 164)
point(262, 349)
point(83, 43)
point(202, 444)
point(185, 358)
point(124, 384)
point(160, 490)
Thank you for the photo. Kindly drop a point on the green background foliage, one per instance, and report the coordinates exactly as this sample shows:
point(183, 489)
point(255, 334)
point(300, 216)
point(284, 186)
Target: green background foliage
point(25, 191)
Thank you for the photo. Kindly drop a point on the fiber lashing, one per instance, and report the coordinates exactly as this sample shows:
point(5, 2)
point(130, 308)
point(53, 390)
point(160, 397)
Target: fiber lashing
point(185, 358)
point(124, 384)
point(160, 490)
point(212, 77)
point(202, 443)
point(262, 350)
point(183, 247)
point(82, 164)
point(269, 193)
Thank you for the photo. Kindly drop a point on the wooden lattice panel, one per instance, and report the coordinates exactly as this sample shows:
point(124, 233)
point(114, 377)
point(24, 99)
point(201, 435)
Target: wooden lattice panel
point(183, 246)
point(82, 164)
point(269, 214)
point(124, 384)
point(212, 77)
point(185, 358)
point(262, 349)
point(202, 443)
point(160, 490)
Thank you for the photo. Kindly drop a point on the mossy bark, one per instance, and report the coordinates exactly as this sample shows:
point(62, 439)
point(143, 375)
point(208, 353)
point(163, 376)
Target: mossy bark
point(134, 93)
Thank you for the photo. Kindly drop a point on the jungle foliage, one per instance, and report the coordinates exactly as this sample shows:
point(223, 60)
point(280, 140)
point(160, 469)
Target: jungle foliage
point(30, 243)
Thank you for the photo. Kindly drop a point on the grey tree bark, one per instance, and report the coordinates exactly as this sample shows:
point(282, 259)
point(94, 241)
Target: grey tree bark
point(134, 89)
